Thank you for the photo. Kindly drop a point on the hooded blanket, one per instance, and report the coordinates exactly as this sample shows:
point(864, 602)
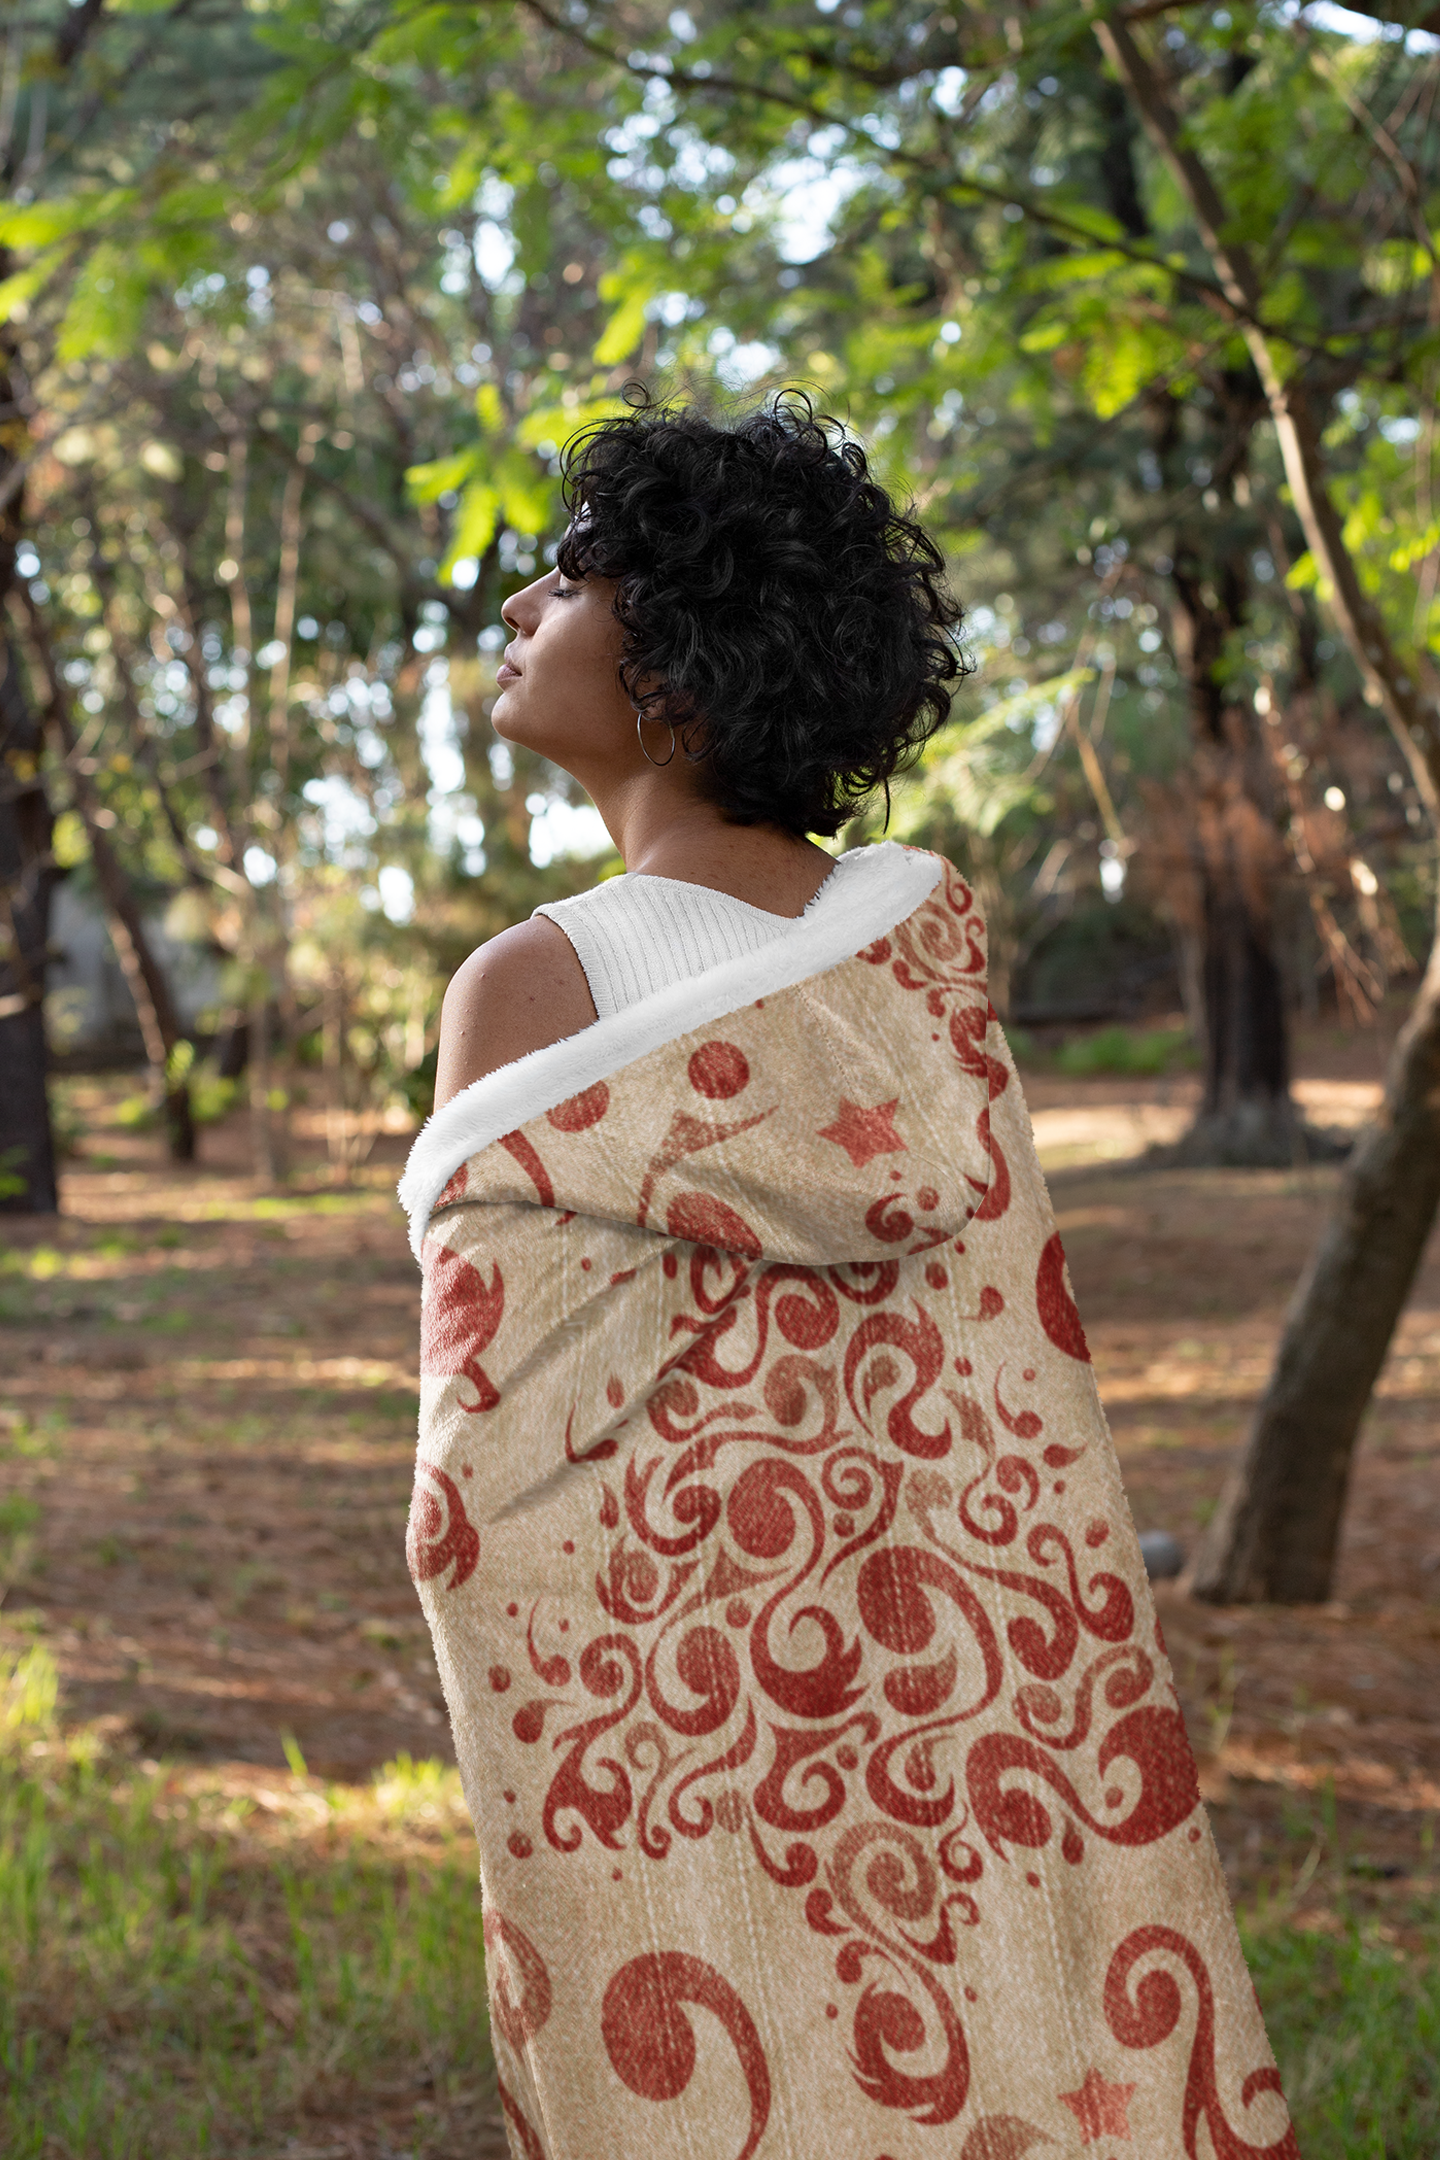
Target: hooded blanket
point(832, 1794)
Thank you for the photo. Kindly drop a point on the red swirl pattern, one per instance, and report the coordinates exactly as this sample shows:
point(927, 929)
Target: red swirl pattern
point(842, 1631)
point(651, 2042)
point(1145, 2013)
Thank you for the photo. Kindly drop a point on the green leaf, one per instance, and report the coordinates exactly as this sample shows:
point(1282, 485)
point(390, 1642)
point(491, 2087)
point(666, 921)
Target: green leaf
point(525, 494)
point(475, 524)
point(106, 306)
point(428, 482)
point(20, 289)
point(42, 224)
point(1413, 551)
point(624, 330)
point(556, 423)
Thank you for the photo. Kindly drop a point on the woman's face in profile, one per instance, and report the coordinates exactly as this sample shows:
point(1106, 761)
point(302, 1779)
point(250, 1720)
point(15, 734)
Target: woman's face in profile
point(560, 691)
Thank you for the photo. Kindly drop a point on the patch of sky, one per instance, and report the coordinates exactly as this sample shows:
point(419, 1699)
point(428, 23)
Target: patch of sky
point(397, 892)
point(803, 197)
point(674, 308)
point(559, 829)
point(502, 763)
point(200, 289)
point(681, 28)
point(632, 133)
point(344, 815)
point(1044, 725)
point(494, 254)
point(1112, 871)
point(1364, 29)
point(370, 748)
point(881, 129)
point(440, 742)
point(740, 365)
point(259, 867)
point(694, 162)
point(1401, 430)
point(456, 828)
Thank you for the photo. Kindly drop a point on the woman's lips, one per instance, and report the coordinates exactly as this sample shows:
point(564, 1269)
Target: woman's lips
point(506, 674)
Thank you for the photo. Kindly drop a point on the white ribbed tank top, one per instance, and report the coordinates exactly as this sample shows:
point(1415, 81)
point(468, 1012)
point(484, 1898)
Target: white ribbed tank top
point(637, 934)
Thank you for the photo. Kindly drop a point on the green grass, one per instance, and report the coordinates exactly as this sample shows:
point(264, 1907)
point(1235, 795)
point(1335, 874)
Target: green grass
point(187, 1968)
point(1355, 2024)
point(1126, 1050)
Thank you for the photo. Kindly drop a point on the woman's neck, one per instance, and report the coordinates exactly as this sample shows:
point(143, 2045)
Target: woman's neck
point(687, 838)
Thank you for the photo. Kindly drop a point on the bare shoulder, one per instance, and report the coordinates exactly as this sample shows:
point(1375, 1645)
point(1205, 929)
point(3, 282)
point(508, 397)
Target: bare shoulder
point(519, 992)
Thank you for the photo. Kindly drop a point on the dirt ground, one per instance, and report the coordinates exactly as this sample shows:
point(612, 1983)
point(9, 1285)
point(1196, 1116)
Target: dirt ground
point(211, 1396)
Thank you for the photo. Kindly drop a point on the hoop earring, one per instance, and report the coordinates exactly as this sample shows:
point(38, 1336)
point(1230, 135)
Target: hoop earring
point(659, 762)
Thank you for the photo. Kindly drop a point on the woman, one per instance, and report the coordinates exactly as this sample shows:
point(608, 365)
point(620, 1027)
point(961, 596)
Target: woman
point(832, 1798)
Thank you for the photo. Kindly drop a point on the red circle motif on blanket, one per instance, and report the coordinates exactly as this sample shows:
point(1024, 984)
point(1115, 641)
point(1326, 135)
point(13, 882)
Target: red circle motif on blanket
point(718, 1070)
point(578, 1112)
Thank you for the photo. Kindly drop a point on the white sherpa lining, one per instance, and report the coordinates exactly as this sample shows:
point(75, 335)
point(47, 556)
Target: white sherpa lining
point(892, 883)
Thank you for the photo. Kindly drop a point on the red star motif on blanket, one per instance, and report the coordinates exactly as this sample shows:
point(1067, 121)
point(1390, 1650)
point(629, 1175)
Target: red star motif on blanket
point(1099, 2107)
point(863, 1133)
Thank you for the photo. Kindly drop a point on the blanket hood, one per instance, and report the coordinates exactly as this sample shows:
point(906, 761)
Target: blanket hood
point(826, 1102)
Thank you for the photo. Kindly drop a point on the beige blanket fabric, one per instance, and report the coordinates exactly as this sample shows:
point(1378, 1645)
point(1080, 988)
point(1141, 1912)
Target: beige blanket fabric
point(832, 1796)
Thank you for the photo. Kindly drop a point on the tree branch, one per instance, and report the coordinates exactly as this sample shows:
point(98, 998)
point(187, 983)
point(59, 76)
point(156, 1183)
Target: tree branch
point(1388, 681)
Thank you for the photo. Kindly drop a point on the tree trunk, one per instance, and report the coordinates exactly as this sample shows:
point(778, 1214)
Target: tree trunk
point(1277, 1530)
point(167, 1051)
point(27, 878)
point(1246, 1116)
point(269, 1120)
point(1275, 1533)
point(27, 863)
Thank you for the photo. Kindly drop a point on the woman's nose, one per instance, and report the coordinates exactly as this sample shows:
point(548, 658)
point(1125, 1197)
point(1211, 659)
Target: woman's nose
point(521, 612)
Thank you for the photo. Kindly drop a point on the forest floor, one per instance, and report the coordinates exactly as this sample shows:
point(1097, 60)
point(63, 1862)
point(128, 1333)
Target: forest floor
point(232, 1864)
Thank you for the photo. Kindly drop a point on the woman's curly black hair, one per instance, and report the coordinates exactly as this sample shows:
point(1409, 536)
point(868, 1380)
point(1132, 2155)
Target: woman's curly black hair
point(795, 629)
